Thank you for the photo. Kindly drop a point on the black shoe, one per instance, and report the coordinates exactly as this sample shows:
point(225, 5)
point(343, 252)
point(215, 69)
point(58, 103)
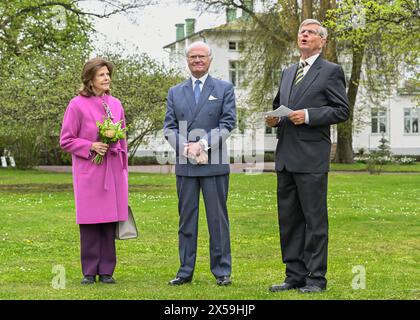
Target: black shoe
point(311, 289)
point(285, 286)
point(106, 279)
point(88, 280)
point(178, 281)
point(224, 281)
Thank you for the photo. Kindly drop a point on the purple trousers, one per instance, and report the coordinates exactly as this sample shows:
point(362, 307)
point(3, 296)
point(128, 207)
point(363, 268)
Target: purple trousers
point(97, 248)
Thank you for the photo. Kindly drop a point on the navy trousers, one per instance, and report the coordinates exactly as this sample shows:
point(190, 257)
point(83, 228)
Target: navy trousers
point(215, 192)
point(97, 248)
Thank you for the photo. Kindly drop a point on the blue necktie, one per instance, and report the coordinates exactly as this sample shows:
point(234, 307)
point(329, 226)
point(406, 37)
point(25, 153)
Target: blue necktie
point(197, 91)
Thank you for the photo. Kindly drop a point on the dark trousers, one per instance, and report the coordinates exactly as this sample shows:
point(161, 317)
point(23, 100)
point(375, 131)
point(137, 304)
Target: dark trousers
point(97, 248)
point(303, 222)
point(215, 192)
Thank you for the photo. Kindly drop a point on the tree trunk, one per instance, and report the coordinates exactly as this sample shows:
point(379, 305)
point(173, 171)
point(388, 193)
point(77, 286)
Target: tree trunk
point(307, 9)
point(344, 152)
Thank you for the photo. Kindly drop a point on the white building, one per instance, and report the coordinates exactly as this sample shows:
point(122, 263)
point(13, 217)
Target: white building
point(398, 118)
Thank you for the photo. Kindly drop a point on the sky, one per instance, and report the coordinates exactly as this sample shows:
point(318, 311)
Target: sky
point(154, 27)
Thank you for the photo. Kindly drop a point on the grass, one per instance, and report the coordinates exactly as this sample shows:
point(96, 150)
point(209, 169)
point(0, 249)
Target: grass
point(415, 167)
point(374, 223)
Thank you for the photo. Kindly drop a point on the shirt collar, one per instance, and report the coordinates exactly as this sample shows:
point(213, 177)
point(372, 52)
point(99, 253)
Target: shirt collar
point(312, 59)
point(202, 79)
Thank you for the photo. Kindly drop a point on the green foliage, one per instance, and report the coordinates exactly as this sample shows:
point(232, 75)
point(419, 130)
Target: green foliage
point(372, 40)
point(30, 26)
point(40, 62)
point(24, 146)
point(42, 52)
point(387, 31)
point(142, 85)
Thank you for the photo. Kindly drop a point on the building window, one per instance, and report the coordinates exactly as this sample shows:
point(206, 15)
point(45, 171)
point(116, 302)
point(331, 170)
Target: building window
point(235, 45)
point(411, 120)
point(236, 74)
point(378, 118)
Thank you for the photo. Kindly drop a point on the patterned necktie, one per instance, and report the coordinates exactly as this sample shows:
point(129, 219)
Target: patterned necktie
point(197, 91)
point(299, 73)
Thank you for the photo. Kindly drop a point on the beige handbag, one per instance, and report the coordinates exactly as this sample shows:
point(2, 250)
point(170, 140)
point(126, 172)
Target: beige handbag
point(127, 229)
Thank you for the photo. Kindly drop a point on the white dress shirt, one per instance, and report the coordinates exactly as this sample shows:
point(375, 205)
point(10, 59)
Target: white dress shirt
point(202, 79)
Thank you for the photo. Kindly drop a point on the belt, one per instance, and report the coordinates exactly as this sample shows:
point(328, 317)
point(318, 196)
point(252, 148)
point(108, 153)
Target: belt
point(112, 151)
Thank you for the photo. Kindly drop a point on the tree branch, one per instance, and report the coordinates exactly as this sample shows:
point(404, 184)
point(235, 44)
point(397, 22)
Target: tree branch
point(72, 7)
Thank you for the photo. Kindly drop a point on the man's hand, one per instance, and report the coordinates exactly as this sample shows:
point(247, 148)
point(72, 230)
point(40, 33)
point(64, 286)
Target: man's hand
point(195, 151)
point(297, 117)
point(194, 148)
point(203, 158)
point(271, 121)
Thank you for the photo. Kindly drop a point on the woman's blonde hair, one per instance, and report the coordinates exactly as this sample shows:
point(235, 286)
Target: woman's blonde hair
point(88, 73)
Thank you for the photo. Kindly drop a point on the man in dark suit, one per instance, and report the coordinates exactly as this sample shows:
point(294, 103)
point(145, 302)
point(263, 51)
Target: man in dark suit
point(315, 90)
point(200, 114)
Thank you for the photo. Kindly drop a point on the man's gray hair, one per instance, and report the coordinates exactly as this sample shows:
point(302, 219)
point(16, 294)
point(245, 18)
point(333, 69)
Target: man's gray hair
point(197, 44)
point(323, 33)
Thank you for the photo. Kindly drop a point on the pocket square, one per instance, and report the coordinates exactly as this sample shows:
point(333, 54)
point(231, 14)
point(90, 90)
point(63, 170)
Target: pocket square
point(212, 98)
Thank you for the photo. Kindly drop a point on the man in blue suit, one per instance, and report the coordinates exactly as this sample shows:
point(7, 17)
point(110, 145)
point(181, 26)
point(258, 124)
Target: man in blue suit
point(200, 115)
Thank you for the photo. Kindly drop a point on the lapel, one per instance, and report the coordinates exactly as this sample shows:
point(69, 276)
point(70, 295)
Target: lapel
point(308, 79)
point(204, 96)
point(288, 80)
point(189, 95)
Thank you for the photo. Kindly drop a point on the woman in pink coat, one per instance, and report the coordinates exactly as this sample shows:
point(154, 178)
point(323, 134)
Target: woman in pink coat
point(100, 191)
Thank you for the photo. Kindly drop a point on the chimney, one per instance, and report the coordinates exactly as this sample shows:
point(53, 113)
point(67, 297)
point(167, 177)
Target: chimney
point(230, 15)
point(189, 27)
point(179, 31)
point(249, 4)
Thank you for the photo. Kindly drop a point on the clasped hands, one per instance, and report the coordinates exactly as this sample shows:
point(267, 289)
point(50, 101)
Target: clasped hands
point(195, 151)
point(297, 117)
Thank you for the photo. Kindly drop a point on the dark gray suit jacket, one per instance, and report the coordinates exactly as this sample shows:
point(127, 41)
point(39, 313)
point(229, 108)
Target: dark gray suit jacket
point(322, 91)
point(212, 119)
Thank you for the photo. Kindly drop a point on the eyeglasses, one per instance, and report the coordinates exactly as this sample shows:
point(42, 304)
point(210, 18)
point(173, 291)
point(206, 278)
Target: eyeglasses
point(199, 57)
point(310, 32)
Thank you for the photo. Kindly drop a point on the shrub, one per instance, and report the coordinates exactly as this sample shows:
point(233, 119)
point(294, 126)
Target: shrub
point(406, 160)
point(378, 158)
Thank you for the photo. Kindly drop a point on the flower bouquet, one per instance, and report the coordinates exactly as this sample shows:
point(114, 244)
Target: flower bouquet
point(109, 132)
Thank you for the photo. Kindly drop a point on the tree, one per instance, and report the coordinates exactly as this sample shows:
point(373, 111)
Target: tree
point(374, 36)
point(141, 84)
point(38, 59)
point(43, 45)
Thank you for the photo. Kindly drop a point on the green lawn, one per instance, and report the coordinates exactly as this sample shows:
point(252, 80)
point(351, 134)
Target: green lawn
point(374, 223)
point(415, 167)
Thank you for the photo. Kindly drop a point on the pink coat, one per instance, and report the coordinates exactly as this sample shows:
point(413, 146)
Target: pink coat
point(100, 191)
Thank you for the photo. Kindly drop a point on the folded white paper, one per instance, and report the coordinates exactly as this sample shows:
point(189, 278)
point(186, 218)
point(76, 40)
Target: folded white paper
point(281, 111)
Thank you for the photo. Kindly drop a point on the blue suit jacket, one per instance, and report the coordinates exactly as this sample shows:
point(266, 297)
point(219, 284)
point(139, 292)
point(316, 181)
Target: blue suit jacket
point(212, 119)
